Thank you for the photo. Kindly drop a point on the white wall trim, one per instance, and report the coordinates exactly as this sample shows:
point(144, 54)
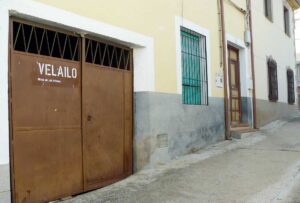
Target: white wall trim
point(143, 45)
point(179, 21)
point(143, 49)
point(245, 84)
point(4, 119)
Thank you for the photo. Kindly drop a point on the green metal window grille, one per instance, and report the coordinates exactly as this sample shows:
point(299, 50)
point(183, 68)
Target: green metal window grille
point(194, 68)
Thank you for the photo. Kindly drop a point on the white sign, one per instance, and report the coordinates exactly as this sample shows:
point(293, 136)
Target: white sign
point(51, 70)
point(47, 74)
point(219, 80)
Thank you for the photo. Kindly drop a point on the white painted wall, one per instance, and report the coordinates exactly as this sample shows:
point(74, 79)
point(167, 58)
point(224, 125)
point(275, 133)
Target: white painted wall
point(4, 129)
point(297, 33)
point(271, 40)
point(143, 48)
point(297, 42)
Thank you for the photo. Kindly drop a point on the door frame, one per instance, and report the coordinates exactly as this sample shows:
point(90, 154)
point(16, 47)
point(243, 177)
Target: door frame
point(10, 111)
point(229, 47)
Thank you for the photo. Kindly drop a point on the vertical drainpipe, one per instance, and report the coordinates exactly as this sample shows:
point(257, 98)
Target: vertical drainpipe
point(224, 49)
point(252, 65)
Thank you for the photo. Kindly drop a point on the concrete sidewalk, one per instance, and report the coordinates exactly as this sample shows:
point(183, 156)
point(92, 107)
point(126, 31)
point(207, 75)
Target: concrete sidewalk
point(263, 167)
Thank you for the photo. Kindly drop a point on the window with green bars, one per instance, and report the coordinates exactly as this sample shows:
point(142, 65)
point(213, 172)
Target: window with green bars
point(194, 68)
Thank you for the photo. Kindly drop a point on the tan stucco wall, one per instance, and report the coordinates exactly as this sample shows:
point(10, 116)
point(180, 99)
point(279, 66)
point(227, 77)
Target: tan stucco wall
point(236, 23)
point(156, 19)
point(235, 20)
point(145, 17)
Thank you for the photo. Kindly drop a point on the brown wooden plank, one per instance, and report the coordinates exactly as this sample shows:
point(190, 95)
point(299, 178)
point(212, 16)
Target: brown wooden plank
point(128, 136)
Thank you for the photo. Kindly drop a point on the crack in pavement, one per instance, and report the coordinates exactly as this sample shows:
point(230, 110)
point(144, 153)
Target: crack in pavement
point(270, 150)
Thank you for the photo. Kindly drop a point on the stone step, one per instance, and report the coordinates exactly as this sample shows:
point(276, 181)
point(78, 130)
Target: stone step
point(241, 132)
point(240, 125)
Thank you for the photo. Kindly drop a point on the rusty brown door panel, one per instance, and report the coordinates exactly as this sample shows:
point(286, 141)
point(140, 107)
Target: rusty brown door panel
point(128, 122)
point(107, 125)
point(47, 145)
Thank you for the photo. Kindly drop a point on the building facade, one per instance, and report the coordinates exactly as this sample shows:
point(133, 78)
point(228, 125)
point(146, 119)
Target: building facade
point(273, 22)
point(93, 93)
point(297, 42)
point(298, 82)
point(297, 33)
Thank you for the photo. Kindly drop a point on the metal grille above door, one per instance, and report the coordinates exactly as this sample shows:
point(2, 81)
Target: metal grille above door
point(36, 40)
point(108, 55)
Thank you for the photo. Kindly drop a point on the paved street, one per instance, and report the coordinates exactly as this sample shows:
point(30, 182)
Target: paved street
point(295, 194)
point(262, 167)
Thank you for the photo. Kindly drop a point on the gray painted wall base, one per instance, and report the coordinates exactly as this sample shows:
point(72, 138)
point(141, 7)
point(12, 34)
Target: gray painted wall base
point(5, 184)
point(165, 128)
point(270, 111)
point(5, 197)
point(246, 110)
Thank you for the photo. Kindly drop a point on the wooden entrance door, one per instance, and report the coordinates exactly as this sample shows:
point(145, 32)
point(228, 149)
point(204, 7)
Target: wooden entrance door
point(234, 85)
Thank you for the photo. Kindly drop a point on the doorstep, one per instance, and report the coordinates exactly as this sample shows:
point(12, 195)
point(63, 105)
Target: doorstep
point(241, 131)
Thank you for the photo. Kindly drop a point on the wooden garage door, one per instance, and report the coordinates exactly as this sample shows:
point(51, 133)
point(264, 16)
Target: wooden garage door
point(71, 119)
point(107, 113)
point(46, 103)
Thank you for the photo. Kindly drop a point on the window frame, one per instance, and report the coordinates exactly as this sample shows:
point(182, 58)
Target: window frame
point(202, 60)
point(291, 86)
point(272, 80)
point(268, 9)
point(298, 74)
point(286, 21)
